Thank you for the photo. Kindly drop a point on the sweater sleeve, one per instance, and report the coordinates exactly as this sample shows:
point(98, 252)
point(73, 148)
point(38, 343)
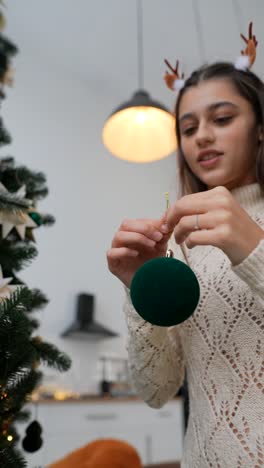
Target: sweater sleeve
point(155, 358)
point(251, 270)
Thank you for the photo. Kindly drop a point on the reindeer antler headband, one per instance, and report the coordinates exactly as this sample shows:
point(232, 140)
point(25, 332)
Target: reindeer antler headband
point(243, 62)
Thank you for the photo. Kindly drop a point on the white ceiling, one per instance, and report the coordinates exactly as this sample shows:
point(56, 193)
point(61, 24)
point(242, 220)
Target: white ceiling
point(97, 40)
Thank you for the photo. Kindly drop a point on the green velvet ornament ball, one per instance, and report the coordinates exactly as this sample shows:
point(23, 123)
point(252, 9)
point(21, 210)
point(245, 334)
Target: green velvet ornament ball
point(165, 291)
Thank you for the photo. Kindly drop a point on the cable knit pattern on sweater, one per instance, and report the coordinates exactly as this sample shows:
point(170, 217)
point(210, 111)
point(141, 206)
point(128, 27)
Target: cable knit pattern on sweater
point(221, 346)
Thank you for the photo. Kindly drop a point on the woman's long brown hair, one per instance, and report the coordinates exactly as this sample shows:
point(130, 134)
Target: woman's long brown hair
point(251, 88)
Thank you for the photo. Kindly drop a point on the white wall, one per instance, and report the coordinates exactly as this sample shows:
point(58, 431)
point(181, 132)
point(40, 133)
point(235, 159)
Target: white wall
point(51, 117)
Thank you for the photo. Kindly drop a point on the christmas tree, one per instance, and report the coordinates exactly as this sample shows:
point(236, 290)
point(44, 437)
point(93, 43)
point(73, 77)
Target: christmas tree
point(21, 349)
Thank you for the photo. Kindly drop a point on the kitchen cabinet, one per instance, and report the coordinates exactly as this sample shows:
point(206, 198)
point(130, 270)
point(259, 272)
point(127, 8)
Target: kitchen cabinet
point(157, 434)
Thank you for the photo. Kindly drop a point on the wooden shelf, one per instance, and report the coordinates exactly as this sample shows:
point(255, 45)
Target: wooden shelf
point(91, 399)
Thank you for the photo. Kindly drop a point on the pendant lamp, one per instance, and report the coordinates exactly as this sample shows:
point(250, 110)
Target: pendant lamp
point(140, 130)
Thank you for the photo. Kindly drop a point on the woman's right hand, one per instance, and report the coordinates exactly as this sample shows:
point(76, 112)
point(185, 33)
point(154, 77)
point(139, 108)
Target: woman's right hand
point(135, 242)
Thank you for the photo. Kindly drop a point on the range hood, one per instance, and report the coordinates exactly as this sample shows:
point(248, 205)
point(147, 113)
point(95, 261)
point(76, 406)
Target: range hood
point(84, 326)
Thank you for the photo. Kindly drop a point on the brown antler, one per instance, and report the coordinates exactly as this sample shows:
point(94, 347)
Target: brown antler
point(250, 49)
point(171, 78)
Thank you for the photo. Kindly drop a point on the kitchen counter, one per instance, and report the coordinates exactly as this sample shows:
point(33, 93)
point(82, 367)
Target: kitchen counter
point(74, 422)
point(89, 399)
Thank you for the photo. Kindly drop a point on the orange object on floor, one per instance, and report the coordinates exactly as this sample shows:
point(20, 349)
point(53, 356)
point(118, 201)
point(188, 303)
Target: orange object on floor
point(101, 453)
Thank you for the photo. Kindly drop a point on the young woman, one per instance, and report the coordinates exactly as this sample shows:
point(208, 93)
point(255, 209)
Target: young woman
point(220, 218)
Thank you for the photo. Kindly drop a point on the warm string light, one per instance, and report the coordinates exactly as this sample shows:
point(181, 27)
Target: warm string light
point(4, 431)
point(60, 395)
point(3, 395)
point(6, 424)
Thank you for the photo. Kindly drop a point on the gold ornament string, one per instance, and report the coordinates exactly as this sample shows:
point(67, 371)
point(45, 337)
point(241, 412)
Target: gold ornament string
point(169, 252)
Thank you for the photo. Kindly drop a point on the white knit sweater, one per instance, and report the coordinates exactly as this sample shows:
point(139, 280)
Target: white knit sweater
point(221, 346)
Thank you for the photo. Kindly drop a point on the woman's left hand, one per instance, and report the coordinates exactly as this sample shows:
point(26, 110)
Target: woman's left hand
point(223, 223)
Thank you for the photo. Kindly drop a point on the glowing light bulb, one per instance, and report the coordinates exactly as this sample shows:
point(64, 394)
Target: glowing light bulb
point(141, 117)
point(9, 438)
